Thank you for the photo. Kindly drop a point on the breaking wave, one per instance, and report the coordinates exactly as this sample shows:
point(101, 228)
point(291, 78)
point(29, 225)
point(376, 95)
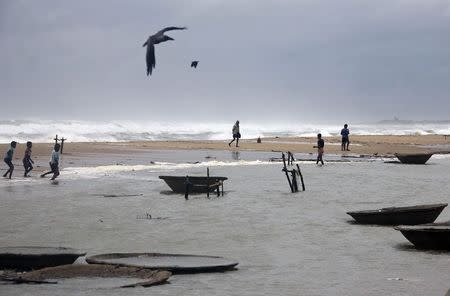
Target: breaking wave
point(120, 131)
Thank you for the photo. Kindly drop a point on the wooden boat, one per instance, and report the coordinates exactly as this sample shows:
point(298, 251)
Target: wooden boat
point(433, 236)
point(417, 158)
point(411, 215)
point(175, 263)
point(198, 184)
point(27, 258)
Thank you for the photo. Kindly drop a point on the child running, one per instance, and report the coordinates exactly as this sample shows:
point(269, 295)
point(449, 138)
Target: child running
point(54, 163)
point(8, 159)
point(27, 161)
point(320, 145)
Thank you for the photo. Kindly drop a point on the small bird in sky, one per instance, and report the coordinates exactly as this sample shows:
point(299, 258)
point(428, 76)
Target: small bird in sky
point(194, 64)
point(150, 43)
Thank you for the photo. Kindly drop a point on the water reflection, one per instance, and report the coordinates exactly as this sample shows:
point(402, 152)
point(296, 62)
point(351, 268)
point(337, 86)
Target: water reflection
point(235, 155)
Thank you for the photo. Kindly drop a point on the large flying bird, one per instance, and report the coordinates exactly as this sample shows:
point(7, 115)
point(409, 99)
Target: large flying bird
point(155, 39)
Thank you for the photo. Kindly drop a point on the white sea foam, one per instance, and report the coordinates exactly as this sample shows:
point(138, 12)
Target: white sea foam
point(111, 170)
point(117, 131)
point(440, 156)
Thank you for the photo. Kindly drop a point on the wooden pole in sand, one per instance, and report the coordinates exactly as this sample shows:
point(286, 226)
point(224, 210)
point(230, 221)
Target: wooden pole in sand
point(186, 193)
point(207, 182)
point(218, 187)
point(294, 181)
point(289, 158)
point(62, 144)
point(286, 171)
point(301, 177)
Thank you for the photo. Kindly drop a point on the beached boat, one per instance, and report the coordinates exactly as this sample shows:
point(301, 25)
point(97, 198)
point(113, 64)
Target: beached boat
point(27, 258)
point(433, 236)
point(412, 215)
point(175, 263)
point(198, 184)
point(417, 158)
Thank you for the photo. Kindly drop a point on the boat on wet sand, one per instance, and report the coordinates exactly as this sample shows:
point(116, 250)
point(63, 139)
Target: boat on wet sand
point(433, 236)
point(416, 158)
point(411, 215)
point(27, 258)
point(175, 263)
point(197, 184)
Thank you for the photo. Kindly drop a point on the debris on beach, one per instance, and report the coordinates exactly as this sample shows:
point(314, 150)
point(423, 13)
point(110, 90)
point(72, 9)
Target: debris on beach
point(148, 216)
point(152, 277)
point(119, 195)
point(292, 180)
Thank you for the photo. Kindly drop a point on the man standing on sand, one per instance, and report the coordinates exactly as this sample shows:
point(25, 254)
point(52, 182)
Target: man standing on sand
point(320, 146)
point(345, 141)
point(236, 134)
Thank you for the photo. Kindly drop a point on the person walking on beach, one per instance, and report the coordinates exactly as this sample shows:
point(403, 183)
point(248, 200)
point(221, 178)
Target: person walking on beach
point(54, 163)
point(236, 134)
point(345, 141)
point(27, 161)
point(320, 146)
point(8, 159)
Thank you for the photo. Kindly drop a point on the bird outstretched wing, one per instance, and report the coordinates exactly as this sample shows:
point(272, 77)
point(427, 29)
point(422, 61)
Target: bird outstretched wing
point(170, 29)
point(150, 58)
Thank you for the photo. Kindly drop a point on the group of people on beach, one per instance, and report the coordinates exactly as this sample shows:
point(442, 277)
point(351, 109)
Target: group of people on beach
point(345, 132)
point(345, 142)
point(28, 162)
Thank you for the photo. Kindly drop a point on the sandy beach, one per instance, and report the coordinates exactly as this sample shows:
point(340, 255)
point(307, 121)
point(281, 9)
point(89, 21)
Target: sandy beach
point(366, 145)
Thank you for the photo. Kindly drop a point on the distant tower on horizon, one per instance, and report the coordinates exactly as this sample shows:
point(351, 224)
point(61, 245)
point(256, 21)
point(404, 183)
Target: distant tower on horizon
point(396, 118)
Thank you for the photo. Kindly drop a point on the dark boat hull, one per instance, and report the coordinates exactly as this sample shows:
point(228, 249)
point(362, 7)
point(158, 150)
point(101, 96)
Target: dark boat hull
point(430, 237)
point(420, 158)
point(199, 184)
point(27, 258)
point(413, 215)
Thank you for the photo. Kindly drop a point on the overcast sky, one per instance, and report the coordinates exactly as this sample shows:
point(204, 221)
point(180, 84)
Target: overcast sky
point(274, 60)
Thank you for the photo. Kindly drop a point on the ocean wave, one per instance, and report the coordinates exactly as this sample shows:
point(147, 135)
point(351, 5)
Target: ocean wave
point(121, 131)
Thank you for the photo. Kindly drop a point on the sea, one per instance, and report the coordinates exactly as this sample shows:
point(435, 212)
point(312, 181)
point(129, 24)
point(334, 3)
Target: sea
point(286, 243)
point(133, 130)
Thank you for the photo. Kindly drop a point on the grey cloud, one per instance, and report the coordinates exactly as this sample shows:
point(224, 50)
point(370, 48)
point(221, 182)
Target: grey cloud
point(322, 60)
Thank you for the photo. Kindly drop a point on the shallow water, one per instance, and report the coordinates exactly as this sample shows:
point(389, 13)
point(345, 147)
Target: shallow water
point(286, 244)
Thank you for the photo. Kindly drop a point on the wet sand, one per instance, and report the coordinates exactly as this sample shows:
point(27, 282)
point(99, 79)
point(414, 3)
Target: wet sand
point(381, 145)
